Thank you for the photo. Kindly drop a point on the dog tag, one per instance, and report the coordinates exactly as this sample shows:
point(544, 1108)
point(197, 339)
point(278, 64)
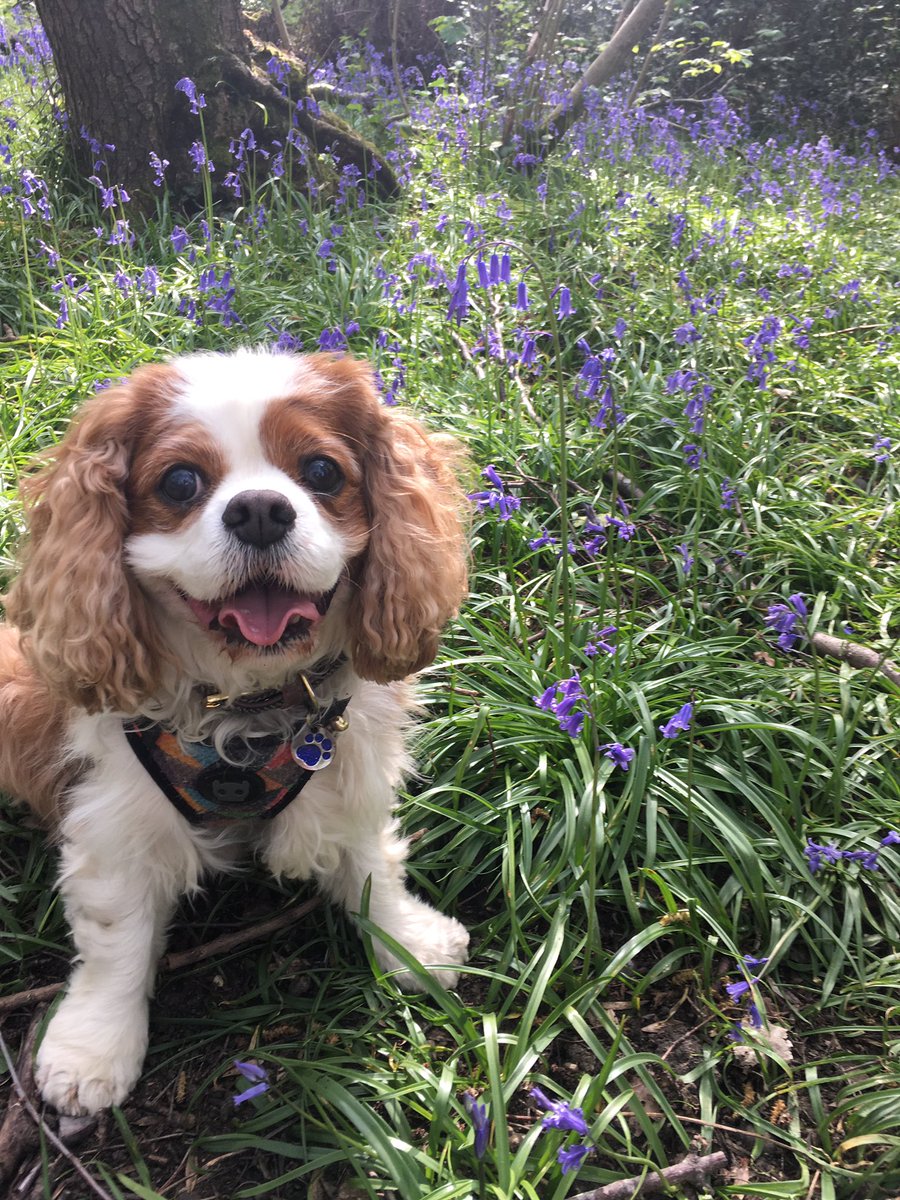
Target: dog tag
point(312, 748)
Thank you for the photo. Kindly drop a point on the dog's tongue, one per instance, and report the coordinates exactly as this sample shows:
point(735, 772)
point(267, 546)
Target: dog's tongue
point(262, 613)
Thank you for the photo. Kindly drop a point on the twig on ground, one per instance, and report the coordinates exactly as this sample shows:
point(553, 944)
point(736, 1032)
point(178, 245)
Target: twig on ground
point(42, 1125)
point(694, 1169)
point(184, 958)
point(624, 486)
point(17, 1133)
point(854, 654)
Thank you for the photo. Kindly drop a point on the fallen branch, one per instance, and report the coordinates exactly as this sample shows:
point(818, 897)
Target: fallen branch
point(694, 1169)
point(184, 958)
point(855, 655)
point(41, 1124)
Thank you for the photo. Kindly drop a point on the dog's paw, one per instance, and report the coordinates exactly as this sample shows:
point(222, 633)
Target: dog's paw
point(86, 1062)
point(438, 942)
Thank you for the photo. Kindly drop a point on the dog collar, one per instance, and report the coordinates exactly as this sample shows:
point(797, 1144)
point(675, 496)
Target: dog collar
point(205, 787)
point(299, 691)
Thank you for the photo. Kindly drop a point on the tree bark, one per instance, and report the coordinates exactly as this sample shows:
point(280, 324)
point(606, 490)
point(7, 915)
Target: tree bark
point(118, 63)
point(611, 61)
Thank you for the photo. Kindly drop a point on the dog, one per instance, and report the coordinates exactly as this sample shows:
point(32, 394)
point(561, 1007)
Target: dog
point(233, 564)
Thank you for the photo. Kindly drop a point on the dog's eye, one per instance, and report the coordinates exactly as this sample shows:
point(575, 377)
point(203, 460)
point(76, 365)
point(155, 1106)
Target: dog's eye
point(323, 475)
point(181, 485)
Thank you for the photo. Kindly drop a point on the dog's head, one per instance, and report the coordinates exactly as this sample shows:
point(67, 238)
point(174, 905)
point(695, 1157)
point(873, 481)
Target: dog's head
point(249, 511)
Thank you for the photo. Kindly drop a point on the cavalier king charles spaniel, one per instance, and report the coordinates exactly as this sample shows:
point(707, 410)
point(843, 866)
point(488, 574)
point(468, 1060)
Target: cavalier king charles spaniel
point(233, 564)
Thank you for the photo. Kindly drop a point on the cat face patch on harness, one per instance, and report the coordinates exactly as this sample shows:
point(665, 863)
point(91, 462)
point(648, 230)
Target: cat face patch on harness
point(205, 787)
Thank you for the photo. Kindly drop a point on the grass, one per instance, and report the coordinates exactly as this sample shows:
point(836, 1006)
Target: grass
point(609, 908)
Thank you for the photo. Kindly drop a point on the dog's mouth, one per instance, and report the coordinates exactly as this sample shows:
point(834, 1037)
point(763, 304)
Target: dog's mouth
point(262, 614)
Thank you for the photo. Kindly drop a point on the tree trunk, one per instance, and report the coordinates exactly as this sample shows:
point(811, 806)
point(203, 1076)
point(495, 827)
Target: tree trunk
point(611, 61)
point(119, 61)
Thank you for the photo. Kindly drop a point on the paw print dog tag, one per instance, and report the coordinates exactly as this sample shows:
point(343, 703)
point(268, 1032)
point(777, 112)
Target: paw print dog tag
point(312, 748)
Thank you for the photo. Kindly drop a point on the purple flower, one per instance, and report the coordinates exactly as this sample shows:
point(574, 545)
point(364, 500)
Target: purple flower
point(680, 723)
point(196, 99)
point(681, 381)
point(459, 297)
point(783, 619)
point(739, 989)
point(197, 153)
point(559, 1114)
point(693, 455)
point(891, 838)
point(159, 167)
point(750, 961)
point(563, 700)
point(604, 641)
point(884, 445)
point(868, 858)
point(817, 855)
point(480, 1123)
point(727, 493)
point(687, 559)
point(544, 540)
point(798, 603)
point(496, 498)
point(257, 1076)
point(522, 304)
point(687, 333)
point(619, 754)
point(179, 239)
point(565, 304)
point(571, 1157)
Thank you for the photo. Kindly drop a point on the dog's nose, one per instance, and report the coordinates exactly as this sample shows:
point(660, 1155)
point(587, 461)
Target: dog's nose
point(259, 518)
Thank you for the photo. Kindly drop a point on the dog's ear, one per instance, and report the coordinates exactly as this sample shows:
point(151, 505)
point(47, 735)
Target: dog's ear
point(412, 576)
point(87, 628)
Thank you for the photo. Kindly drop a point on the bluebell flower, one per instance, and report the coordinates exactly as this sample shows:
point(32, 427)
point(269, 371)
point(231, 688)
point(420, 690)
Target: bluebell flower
point(258, 1077)
point(544, 540)
point(571, 1157)
point(459, 297)
point(693, 455)
point(196, 99)
point(480, 1123)
point(818, 855)
point(891, 838)
point(739, 989)
point(680, 723)
point(868, 858)
point(563, 699)
point(496, 498)
point(882, 444)
point(687, 559)
point(687, 333)
point(782, 619)
point(602, 639)
point(559, 1114)
point(159, 167)
point(197, 154)
point(565, 304)
point(522, 304)
point(621, 755)
point(681, 381)
point(727, 494)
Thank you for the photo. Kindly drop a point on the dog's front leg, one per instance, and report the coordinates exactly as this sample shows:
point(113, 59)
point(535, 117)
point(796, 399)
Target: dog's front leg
point(94, 1047)
point(377, 864)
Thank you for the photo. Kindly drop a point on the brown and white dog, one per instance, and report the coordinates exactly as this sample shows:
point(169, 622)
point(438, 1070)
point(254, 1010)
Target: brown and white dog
point(233, 562)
